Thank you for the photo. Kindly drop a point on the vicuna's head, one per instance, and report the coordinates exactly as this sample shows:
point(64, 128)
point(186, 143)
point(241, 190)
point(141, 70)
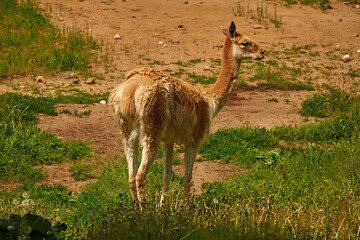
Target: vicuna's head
point(242, 46)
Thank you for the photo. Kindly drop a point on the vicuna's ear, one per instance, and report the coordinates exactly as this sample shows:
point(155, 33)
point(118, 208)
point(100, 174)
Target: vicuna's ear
point(232, 29)
point(225, 30)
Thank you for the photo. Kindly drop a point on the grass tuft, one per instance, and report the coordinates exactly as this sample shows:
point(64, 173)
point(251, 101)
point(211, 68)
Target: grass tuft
point(29, 42)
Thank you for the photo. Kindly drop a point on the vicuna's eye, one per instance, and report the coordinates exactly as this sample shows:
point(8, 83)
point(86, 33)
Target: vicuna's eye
point(245, 44)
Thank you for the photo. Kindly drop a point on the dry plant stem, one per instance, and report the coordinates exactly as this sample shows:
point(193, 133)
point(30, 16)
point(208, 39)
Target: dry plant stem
point(153, 107)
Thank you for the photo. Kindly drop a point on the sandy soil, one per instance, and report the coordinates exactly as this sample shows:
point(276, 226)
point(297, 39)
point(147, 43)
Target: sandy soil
point(186, 30)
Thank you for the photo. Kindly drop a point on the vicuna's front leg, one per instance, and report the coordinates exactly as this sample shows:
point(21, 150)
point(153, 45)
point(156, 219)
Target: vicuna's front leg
point(189, 159)
point(151, 145)
point(168, 155)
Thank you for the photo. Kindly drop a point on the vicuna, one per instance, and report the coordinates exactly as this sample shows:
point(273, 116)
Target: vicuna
point(152, 107)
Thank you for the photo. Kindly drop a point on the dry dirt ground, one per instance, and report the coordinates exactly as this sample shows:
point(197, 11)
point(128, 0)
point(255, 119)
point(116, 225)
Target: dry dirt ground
point(176, 30)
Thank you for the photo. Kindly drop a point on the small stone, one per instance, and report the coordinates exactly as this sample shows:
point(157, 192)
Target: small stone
point(346, 58)
point(73, 75)
point(90, 80)
point(10, 228)
point(340, 20)
point(186, 2)
point(76, 81)
point(40, 79)
point(176, 41)
point(207, 68)
point(180, 26)
point(117, 36)
point(161, 43)
point(357, 6)
point(61, 19)
point(257, 26)
point(103, 102)
point(356, 35)
point(358, 51)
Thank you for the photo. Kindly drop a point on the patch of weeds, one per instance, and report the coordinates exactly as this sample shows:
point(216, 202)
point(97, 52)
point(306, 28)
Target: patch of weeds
point(179, 149)
point(314, 54)
point(305, 183)
point(354, 72)
point(240, 145)
point(33, 147)
point(96, 76)
point(81, 172)
point(279, 76)
point(315, 106)
point(276, 20)
point(190, 63)
point(327, 103)
point(81, 114)
point(178, 73)
point(65, 111)
point(18, 114)
point(273, 100)
point(181, 64)
point(216, 62)
point(56, 195)
point(156, 62)
point(323, 4)
point(202, 79)
point(111, 190)
point(125, 48)
point(77, 96)
point(262, 14)
point(176, 160)
point(343, 110)
point(196, 60)
point(241, 81)
point(29, 42)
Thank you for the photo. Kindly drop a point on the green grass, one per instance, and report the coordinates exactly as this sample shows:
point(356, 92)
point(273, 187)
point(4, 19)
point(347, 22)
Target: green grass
point(271, 73)
point(81, 172)
point(243, 146)
point(302, 183)
point(323, 4)
point(29, 42)
point(33, 146)
point(202, 79)
point(291, 192)
point(354, 73)
point(328, 103)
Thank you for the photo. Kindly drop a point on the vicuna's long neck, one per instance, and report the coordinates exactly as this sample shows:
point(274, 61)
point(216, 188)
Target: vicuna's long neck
point(226, 83)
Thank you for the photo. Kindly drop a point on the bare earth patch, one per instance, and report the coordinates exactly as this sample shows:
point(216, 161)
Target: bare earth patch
point(187, 31)
point(61, 174)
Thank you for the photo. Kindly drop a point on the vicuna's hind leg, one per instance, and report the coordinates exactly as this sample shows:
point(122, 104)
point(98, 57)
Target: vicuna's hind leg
point(168, 155)
point(151, 145)
point(131, 144)
point(189, 159)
